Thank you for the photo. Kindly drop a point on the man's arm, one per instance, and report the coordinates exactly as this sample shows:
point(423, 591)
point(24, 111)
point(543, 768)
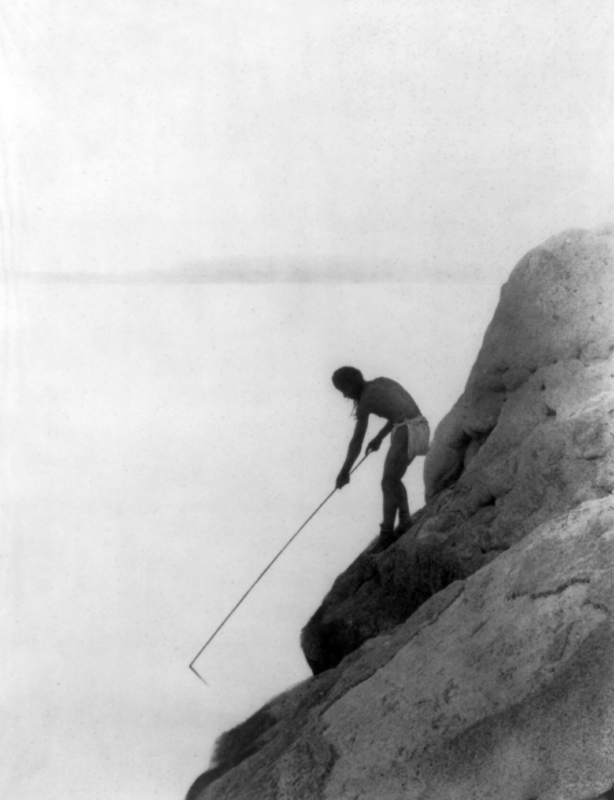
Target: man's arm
point(353, 451)
point(375, 443)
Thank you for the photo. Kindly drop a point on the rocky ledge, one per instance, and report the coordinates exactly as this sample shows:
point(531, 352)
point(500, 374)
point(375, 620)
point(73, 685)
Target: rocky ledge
point(475, 657)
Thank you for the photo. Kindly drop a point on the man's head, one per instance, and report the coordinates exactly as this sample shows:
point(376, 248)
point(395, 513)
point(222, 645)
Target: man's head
point(349, 381)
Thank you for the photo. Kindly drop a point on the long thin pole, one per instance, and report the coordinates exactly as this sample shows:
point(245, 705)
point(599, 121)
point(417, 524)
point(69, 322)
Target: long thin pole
point(259, 578)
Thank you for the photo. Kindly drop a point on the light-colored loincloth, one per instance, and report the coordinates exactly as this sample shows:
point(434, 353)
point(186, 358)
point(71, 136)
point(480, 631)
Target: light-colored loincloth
point(418, 436)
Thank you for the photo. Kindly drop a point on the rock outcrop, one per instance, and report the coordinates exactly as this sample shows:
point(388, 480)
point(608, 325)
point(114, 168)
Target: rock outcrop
point(530, 437)
point(475, 657)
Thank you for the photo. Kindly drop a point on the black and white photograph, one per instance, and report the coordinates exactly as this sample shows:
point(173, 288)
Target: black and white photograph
point(307, 399)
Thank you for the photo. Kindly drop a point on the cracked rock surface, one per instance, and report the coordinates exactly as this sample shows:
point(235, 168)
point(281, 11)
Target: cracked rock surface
point(474, 658)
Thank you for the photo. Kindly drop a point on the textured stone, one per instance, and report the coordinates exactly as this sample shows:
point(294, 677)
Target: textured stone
point(500, 686)
point(557, 306)
point(531, 437)
point(509, 694)
point(474, 658)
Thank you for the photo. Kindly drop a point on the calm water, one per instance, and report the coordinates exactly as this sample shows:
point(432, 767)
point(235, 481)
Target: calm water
point(162, 443)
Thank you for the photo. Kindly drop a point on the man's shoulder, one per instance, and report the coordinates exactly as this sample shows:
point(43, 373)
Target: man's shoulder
point(369, 389)
point(372, 394)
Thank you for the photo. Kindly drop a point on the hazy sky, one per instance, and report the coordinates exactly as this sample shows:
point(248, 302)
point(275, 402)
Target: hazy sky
point(200, 201)
point(439, 136)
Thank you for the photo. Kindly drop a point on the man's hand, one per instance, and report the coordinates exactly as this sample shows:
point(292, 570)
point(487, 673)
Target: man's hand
point(343, 478)
point(373, 445)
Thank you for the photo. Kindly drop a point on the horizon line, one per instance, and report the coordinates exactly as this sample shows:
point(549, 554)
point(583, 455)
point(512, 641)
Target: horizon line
point(234, 273)
point(170, 277)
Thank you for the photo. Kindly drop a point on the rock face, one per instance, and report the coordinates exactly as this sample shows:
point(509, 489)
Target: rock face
point(475, 657)
point(530, 437)
point(553, 325)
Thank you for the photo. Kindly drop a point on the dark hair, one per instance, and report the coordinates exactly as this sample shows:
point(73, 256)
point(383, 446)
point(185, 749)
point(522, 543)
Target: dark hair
point(349, 380)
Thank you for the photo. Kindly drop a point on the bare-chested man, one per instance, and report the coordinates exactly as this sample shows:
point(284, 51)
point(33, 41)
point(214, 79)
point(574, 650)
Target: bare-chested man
point(410, 437)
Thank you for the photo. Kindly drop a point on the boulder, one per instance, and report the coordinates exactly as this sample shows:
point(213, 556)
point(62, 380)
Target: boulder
point(557, 308)
point(474, 658)
point(530, 438)
point(499, 686)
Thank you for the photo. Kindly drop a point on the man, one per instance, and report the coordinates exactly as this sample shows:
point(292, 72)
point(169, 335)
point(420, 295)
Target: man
point(410, 438)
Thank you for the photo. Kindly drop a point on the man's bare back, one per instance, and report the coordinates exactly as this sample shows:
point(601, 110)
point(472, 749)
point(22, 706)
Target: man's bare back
point(388, 399)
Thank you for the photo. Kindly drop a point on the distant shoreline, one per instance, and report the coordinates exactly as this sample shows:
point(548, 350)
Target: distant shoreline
point(275, 274)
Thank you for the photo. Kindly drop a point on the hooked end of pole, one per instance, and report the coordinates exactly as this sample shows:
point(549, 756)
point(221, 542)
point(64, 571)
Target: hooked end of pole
point(198, 675)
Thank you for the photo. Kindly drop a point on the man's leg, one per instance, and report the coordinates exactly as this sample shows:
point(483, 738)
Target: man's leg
point(404, 515)
point(395, 494)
